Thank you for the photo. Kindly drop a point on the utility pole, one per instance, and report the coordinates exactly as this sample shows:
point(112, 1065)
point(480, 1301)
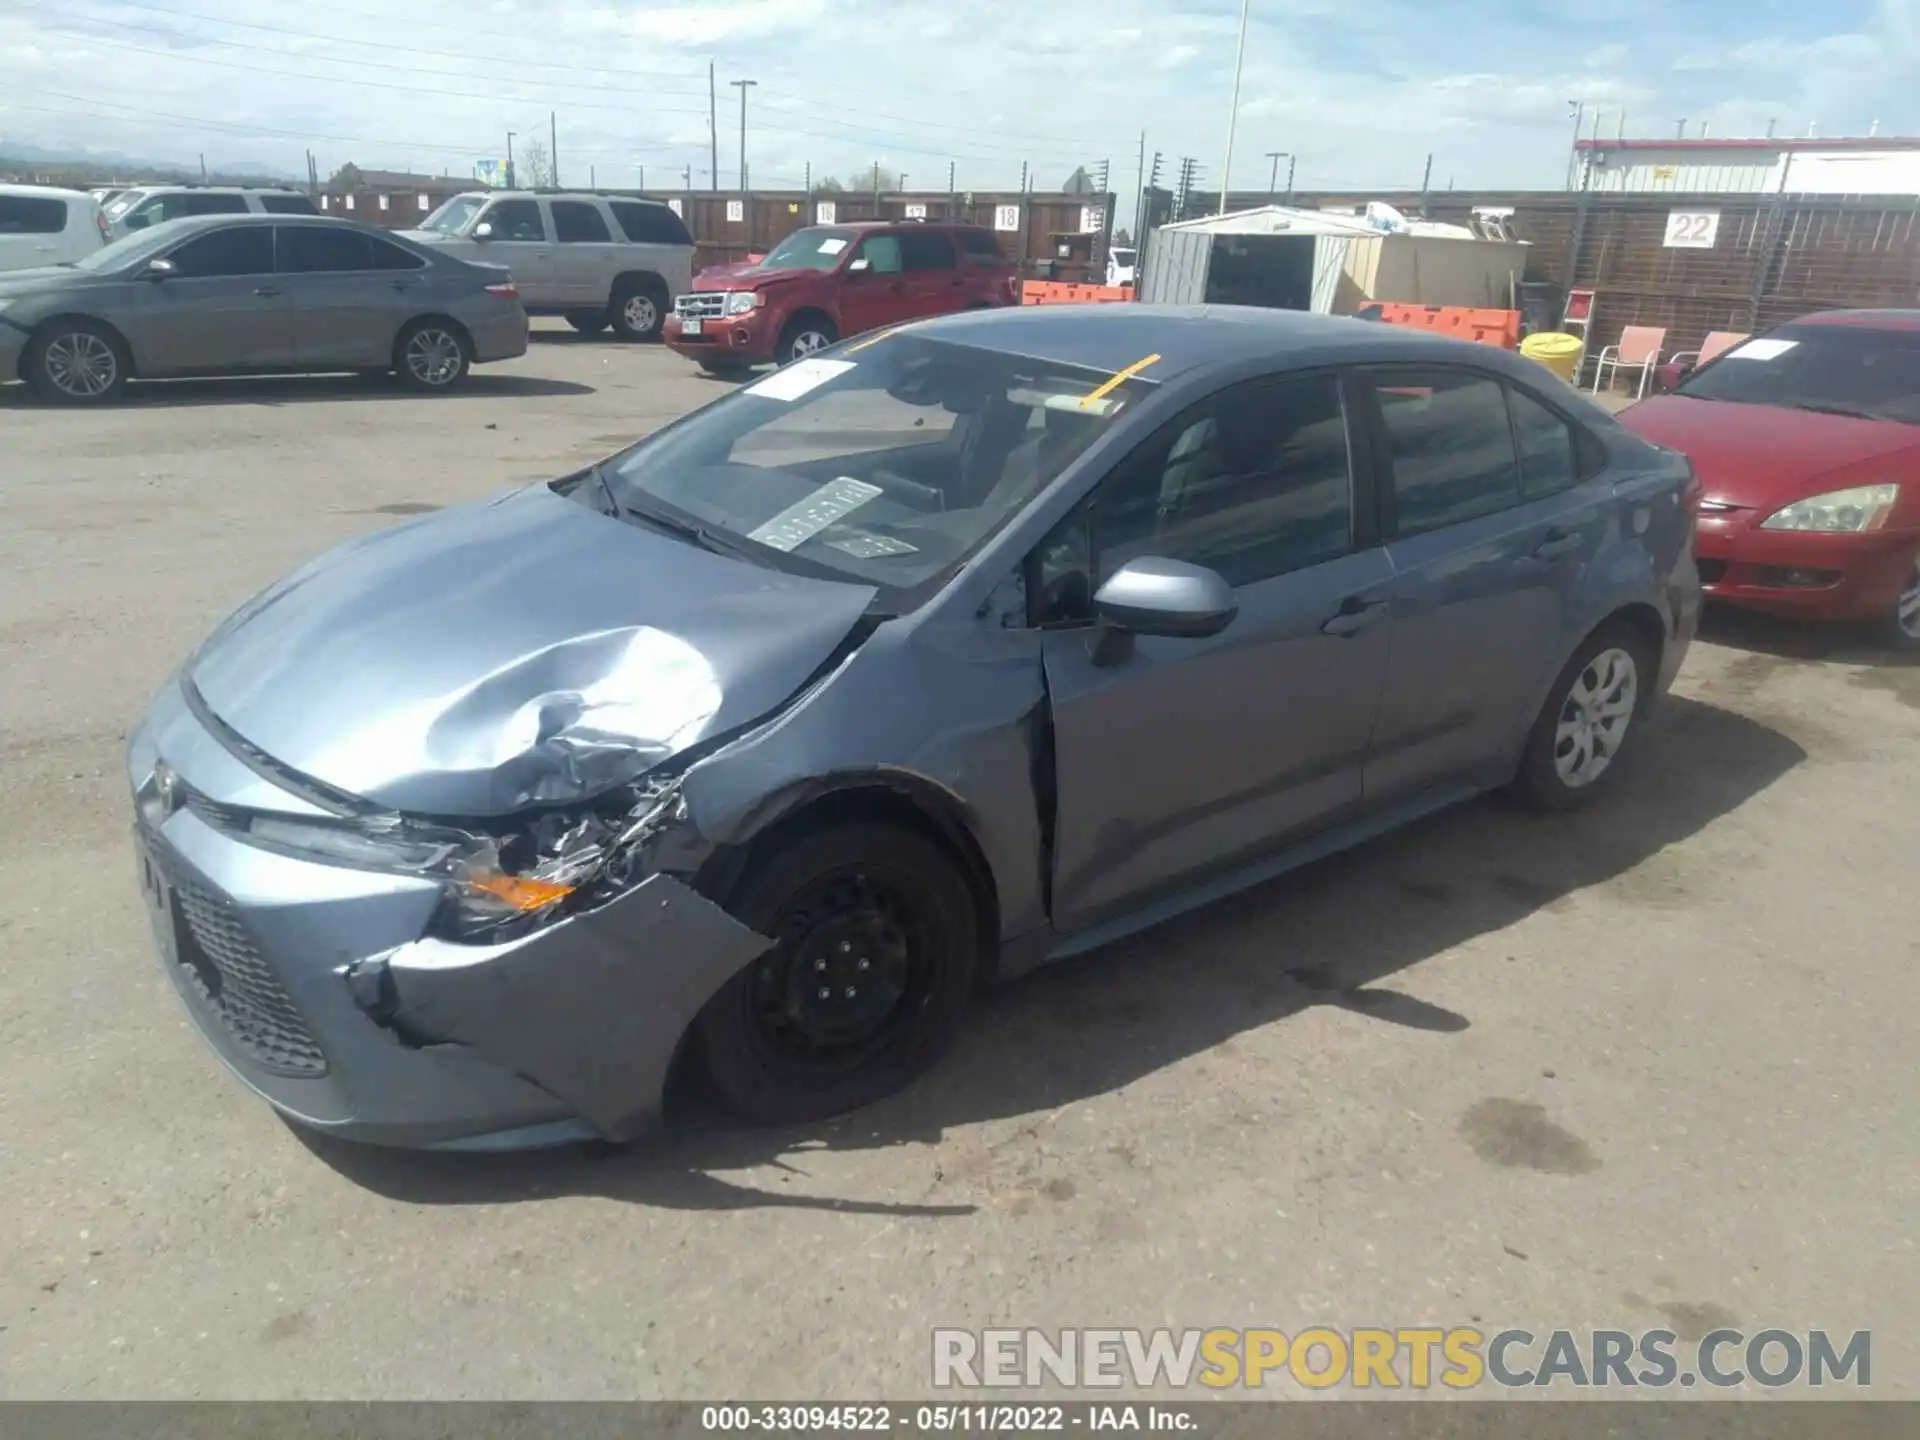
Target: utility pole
point(1143, 212)
point(643, 177)
point(1578, 109)
point(553, 149)
point(510, 135)
point(1292, 160)
point(1233, 111)
point(713, 127)
point(203, 169)
point(1023, 177)
point(593, 177)
point(1273, 179)
point(876, 183)
point(1426, 184)
point(744, 86)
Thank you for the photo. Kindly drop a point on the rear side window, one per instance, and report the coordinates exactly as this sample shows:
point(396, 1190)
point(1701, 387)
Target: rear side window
point(287, 205)
point(206, 205)
point(926, 250)
point(649, 224)
point(515, 220)
point(389, 256)
point(20, 215)
point(979, 243)
point(575, 222)
point(314, 249)
point(237, 250)
point(1450, 447)
point(1549, 454)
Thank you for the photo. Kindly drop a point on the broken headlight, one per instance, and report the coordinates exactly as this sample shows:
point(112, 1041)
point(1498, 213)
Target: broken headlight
point(494, 885)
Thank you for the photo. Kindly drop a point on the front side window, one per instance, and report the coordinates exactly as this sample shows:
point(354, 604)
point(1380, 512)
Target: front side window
point(882, 254)
point(237, 250)
point(24, 215)
point(516, 220)
point(316, 249)
point(815, 248)
point(1828, 369)
point(889, 469)
point(1252, 482)
point(575, 222)
point(926, 250)
point(1449, 445)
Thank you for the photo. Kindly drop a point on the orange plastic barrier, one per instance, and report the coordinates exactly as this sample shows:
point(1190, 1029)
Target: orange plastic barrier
point(1459, 322)
point(1057, 292)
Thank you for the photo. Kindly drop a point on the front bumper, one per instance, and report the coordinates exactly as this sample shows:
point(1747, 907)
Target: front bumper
point(320, 989)
point(1802, 575)
point(747, 339)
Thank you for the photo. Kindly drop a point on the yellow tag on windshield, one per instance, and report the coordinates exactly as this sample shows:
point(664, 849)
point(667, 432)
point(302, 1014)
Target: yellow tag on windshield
point(1088, 400)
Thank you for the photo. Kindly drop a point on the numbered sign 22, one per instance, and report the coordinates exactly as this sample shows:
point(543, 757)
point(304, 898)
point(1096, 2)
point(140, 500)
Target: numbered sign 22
point(1692, 229)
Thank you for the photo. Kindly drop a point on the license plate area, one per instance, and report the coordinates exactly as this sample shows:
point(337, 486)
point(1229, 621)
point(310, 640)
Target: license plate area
point(692, 327)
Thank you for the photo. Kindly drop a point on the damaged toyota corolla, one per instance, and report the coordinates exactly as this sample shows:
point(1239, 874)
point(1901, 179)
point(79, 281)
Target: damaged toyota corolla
point(962, 647)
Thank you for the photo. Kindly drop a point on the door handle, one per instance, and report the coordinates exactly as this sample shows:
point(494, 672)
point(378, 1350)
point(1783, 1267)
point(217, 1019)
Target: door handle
point(267, 292)
point(1355, 615)
point(1558, 542)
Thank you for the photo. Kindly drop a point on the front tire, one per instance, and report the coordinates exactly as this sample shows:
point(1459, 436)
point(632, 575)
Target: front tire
point(587, 322)
point(432, 356)
point(804, 336)
point(1591, 715)
point(1903, 625)
point(876, 943)
point(78, 362)
point(638, 310)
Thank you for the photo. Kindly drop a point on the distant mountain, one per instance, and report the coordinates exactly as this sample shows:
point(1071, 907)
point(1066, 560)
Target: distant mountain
point(18, 155)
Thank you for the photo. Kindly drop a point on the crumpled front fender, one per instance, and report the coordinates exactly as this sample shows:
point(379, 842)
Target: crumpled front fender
point(591, 1009)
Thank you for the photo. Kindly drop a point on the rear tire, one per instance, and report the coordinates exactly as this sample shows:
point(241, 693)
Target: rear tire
point(78, 362)
point(876, 947)
point(1591, 716)
point(432, 356)
point(805, 335)
point(638, 309)
point(726, 369)
point(1902, 628)
point(587, 322)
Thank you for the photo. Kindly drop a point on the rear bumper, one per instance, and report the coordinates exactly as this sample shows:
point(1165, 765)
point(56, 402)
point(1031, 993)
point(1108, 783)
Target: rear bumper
point(500, 336)
point(1795, 574)
point(734, 339)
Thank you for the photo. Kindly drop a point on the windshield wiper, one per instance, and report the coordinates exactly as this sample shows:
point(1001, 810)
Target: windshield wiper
point(700, 535)
point(1820, 409)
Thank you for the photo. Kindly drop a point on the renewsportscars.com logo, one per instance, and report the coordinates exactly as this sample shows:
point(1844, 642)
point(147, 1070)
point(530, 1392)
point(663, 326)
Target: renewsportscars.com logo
point(1414, 1358)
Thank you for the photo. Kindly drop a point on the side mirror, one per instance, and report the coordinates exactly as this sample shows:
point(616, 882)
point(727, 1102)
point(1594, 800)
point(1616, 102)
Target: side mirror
point(160, 269)
point(483, 231)
point(860, 266)
point(1155, 596)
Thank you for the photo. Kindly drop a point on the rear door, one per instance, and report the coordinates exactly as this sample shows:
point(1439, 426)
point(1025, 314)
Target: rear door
point(583, 261)
point(32, 231)
point(222, 308)
point(520, 242)
point(1188, 757)
point(664, 246)
point(1491, 527)
point(347, 292)
point(931, 273)
point(876, 295)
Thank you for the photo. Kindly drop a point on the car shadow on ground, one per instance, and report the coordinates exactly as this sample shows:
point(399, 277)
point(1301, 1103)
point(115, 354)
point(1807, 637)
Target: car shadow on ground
point(1330, 934)
point(304, 389)
point(569, 336)
point(1855, 644)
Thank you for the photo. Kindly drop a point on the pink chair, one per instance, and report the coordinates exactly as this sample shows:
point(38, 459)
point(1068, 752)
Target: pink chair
point(1717, 343)
point(1639, 349)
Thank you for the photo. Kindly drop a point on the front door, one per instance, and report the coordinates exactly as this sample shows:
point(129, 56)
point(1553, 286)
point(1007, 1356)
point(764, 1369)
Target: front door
point(1189, 757)
point(1488, 569)
point(221, 308)
point(518, 240)
point(875, 295)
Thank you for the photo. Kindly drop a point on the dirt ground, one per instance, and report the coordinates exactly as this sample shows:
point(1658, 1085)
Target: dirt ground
point(1650, 1066)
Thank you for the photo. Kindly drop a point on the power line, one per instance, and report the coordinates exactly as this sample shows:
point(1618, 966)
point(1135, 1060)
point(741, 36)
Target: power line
point(1068, 141)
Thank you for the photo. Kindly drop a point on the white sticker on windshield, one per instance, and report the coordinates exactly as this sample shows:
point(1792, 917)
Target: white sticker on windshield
point(1761, 349)
point(800, 378)
point(832, 245)
point(804, 519)
point(864, 546)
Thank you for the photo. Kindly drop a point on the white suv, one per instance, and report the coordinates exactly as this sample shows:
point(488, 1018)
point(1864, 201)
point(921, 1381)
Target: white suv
point(146, 205)
point(42, 226)
point(599, 258)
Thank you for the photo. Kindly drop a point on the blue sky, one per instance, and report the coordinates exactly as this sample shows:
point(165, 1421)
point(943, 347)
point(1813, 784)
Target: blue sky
point(1360, 92)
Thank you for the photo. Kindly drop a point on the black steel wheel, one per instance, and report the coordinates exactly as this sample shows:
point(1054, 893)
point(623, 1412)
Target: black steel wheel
point(876, 944)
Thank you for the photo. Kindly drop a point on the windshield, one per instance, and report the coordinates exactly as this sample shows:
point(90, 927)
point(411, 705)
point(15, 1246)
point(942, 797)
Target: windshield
point(1123, 257)
point(1846, 369)
point(813, 249)
point(134, 249)
point(454, 216)
point(888, 466)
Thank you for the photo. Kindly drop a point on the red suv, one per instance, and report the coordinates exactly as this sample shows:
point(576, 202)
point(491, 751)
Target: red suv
point(830, 281)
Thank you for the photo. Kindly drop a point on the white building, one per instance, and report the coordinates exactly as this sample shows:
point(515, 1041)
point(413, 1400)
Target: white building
point(1886, 165)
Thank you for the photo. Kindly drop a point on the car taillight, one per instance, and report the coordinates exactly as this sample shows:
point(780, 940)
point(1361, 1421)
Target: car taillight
point(506, 290)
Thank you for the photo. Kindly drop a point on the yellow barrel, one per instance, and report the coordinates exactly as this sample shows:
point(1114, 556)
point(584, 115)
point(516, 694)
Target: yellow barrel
point(1559, 352)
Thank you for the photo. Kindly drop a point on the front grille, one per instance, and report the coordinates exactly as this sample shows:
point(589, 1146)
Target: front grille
point(224, 965)
point(701, 307)
point(1712, 572)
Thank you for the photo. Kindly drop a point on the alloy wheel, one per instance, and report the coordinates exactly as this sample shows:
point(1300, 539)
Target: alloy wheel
point(640, 313)
point(81, 364)
point(1907, 612)
point(1594, 717)
point(433, 356)
point(807, 342)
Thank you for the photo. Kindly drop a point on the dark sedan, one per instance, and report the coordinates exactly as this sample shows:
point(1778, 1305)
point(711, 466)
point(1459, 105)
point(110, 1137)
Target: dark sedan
point(963, 647)
point(254, 294)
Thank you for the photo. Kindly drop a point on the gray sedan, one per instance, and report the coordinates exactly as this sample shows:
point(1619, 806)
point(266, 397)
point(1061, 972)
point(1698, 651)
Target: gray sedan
point(958, 649)
point(252, 295)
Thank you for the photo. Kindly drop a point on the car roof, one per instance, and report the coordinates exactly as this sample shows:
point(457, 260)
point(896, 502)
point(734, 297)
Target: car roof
point(187, 224)
point(1194, 339)
point(1863, 319)
point(43, 192)
point(560, 195)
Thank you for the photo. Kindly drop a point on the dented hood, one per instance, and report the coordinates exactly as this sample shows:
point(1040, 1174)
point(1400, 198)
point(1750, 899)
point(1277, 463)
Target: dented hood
point(512, 653)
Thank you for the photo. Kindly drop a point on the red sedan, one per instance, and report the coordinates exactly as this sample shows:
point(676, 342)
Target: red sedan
point(1807, 441)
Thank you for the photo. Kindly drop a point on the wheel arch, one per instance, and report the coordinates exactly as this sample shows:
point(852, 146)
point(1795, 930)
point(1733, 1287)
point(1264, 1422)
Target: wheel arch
point(466, 335)
point(642, 279)
point(810, 309)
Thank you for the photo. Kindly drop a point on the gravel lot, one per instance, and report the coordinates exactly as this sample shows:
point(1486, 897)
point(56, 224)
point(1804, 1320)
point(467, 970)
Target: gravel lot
point(1650, 1066)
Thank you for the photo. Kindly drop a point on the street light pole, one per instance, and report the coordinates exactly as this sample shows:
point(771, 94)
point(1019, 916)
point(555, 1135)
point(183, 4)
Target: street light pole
point(1233, 111)
point(744, 86)
point(510, 135)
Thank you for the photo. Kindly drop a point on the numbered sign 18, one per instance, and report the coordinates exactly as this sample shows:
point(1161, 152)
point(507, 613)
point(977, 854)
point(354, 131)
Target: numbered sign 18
point(824, 212)
point(1006, 217)
point(1692, 229)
